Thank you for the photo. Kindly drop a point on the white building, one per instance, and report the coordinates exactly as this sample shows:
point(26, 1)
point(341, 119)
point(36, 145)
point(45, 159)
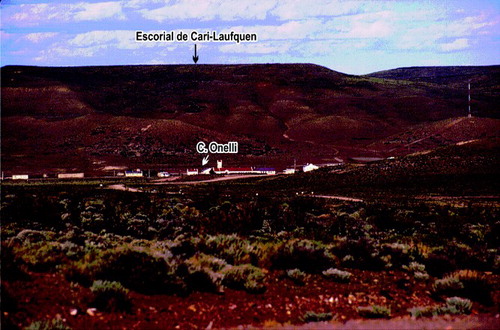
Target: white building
point(207, 170)
point(163, 174)
point(310, 167)
point(134, 174)
point(192, 172)
point(289, 171)
point(20, 176)
point(70, 175)
point(265, 170)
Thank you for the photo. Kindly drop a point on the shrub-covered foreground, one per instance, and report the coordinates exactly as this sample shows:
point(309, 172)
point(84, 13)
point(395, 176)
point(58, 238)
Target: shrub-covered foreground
point(115, 245)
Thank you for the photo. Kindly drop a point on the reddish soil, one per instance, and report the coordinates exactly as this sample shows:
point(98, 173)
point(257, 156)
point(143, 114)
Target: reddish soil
point(47, 296)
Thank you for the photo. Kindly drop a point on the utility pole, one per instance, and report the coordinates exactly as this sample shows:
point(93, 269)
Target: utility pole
point(468, 86)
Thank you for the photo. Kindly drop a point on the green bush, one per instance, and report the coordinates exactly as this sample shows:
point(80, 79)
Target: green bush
point(337, 275)
point(110, 296)
point(203, 273)
point(232, 248)
point(11, 265)
point(306, 255)
point(465, 283)
point(374, 311)
point(140, 269)
point(41, 256)
point(425, 311)
point(457, 305)
point(54, 324)
point(415, 267)
point(447, 286)
point(244, 277)
point(316, 317)
point(421, 276)
point(297, 276)
point(454, 306)
point(476, 286)
point(33, 236)
point(365, 254)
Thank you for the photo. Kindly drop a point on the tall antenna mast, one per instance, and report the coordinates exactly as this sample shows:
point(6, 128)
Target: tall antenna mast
point(470, 114)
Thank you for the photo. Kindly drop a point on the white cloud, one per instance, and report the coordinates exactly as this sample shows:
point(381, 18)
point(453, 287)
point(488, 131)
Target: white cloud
point(121, 39)
point(59, 51)
point(458, 44)
point(210, 9)
point(259, 48)
point(300, 9)
point(428, 35)
point(98, 11)
point(378, 29)
point(36, 14)
point(39, 36)
point(287, 31)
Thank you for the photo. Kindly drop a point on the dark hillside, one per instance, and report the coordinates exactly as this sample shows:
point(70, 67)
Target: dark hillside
point(485, 82)
point(73, 117)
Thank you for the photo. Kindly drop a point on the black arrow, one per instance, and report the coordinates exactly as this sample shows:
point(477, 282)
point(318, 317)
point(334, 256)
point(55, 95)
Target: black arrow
point(195, 57)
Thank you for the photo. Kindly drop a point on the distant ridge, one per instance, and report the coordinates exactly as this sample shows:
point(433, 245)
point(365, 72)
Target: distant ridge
point(486, 76)
point(139, 115)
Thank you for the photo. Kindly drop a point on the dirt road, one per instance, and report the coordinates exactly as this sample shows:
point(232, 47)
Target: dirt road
point(341, 198)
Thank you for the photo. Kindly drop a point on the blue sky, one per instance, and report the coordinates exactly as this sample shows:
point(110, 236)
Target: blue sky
point(348, 36)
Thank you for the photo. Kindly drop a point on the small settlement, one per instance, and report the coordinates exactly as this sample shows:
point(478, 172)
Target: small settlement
point(165, 173)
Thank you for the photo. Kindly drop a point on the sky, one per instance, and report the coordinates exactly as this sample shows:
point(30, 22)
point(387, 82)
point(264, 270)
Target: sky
point(355, 37)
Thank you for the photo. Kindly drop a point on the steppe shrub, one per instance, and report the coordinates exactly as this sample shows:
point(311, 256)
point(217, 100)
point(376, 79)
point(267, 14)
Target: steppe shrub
point(185, 246)
point(363, 251)
point(337, 275)
point(32, 236)
point(306, 255)
point(457, 305)
point(418, 271)
point(232, 248)
point(375, 311)
point(110, 296)
point(41, 256)
point(400, 253)
point(207, 261)
point(421, 276)
point(297, 276)
point(454, 306)
point(11, 265)
point(203, 273)
point(465, 283)
point(476, 285)
point(414, 267)
point(447, 286)
point(316, 317)
point(424, 311)
point(244, 277)
point(54, 324)
point(263, 254)
point(140, 269)
point(92, 218)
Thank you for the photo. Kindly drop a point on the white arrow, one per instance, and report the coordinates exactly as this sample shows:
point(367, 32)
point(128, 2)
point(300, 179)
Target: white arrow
point(205, 160)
